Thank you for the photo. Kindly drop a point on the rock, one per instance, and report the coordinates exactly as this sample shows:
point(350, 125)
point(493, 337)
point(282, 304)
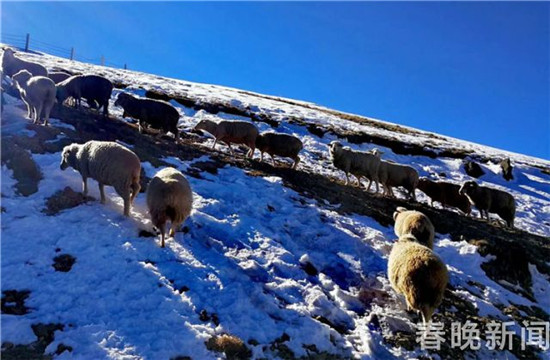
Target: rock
point(64, 262)
point(473, 169)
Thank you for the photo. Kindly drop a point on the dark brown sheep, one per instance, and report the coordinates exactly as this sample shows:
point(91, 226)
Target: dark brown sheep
point(279, 144)
point(93, 88)
point(154, 113)
point(58, 77)
point(488, 200)
point(446, 193)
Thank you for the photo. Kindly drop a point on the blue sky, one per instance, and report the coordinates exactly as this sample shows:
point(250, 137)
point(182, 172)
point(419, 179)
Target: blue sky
point(472, 70)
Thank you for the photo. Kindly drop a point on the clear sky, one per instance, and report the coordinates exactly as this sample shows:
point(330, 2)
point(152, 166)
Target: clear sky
point(473, 70)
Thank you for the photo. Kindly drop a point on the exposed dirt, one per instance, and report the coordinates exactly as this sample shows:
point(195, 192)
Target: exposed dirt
point(65, 199)
point(63, 262)
point(37, 349)
point(13, 302)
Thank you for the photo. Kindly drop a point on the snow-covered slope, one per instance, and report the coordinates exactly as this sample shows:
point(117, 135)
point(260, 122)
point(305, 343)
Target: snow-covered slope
point(291, 275)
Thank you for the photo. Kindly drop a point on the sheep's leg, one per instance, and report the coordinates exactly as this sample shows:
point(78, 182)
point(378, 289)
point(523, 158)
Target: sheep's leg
point(369, 185)
point(272, 160)
point(47, 110)
point(358, 180)
point(37, 113)
point(296, 161)
point(230, 148)
point(347, 179)
point(127, 205)
point(250, 153)
point(261, 156)
point(173, 229)
point(140, 127)
point(215, 142)
point(85, 186)
point(135, 190)
point(162, 228)
point(377, 188)
point(102, 193)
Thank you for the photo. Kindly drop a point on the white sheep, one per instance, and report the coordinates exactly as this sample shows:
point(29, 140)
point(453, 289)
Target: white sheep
point(169, 198)
point(418, 273)
point(11, 65)
point(414, 223)
point(358, 163)
point(391, 174)
point(37, 92)
point(107, 162)
point(237, 132)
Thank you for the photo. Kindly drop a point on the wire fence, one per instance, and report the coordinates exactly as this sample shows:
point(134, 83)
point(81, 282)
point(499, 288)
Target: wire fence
point(29, 43)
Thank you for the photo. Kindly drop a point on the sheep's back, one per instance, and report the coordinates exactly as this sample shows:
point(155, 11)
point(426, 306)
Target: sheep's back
point(110, 163)
point(238, 131)
point(13, 65)
point(169, 189)
point(95, 87)
point(152, 111)
point(281, 144)
point(416, 270)
point(41, 88)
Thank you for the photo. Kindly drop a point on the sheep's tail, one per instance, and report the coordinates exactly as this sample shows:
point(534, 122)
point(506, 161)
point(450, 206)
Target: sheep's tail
point(427, 313)
point(135, 187)
point(171, 212)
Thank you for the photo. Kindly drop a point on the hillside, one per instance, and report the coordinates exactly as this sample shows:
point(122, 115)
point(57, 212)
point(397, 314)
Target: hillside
point(292, 262)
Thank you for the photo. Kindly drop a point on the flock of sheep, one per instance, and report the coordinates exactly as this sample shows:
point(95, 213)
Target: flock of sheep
point(413, 269)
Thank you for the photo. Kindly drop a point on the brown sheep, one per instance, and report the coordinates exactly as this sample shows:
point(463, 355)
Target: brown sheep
point(446, 193)
point(237, 132)
point(418, 273)
point(58, 77)
point(488, 200)
point(414, 223)
point(169, 198)
point(11, 65)
point(279, 144)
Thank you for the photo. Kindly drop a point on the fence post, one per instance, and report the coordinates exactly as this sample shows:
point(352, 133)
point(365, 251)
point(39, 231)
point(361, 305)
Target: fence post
point(102, 60)
point(72, 53)
point(27, 42)
point(125, 67)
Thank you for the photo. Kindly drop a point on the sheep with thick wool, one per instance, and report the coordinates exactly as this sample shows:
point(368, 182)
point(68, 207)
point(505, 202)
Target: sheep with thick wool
point(488, 200)
point(157, 114)
point(11, 65)
point(391, 174)
point(446, 193)
point(37, 92)
point(109, 164)
point(416, 272)
point(169, 198)
point(93, 88)
point(358, 163)
point(414, 223)
point(283, 145)
point(236, 132)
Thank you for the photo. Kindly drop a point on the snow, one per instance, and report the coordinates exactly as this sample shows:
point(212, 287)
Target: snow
point(244, 255)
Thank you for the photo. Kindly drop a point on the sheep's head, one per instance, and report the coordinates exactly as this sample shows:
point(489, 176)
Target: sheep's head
point(334, 147)
point(122, 99)
point(8, 53)
point(398, 211)
point(260, 141)
point(468, 187)
point(376, 152)
point(21, 77)
point(206, 125)
point(61, 93)
point(68, 156)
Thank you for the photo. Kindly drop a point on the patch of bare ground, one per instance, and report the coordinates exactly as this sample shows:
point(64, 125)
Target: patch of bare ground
point(37, 349)
point(65, 199)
